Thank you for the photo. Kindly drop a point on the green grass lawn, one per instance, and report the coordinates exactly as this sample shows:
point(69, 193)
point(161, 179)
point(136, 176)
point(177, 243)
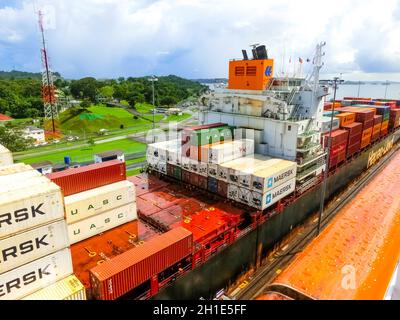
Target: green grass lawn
point(133, 172)
point(99, 117)
point(132, 161)
point(177, 118)
point(86, 153)
point(144, 107)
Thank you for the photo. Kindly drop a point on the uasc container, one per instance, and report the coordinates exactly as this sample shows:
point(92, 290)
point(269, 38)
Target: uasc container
point(69, 288)
point(33, 276)
point(126, 271)
point(89, 177)
point(92, 226)
point(25, 247)
point(88, 203)
point(25, 208)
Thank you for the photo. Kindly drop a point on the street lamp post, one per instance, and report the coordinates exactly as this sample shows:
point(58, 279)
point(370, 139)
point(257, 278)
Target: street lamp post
point(323, 191)
point(153, 79)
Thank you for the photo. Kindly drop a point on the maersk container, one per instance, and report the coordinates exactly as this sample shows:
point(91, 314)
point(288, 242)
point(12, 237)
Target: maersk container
point(102, 222)
point(263, 201)
point(193, 165)
point(85, 204)
point(244, 195)
point(223, 168)
point(31, 207)
point(121, 274)
point(229, 151)
point(272, 176)
point(203, 169)
point(69, 288)
point(33, 276)
point(186, 163)
point(89, 177)
point(242, 176)
point(25, 247)
point(6, 157)
point(25, 180)
point(14, 168)
point(233, 192)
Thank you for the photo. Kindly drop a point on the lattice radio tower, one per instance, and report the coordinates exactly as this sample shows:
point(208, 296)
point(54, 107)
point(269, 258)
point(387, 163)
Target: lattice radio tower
point(48, 89)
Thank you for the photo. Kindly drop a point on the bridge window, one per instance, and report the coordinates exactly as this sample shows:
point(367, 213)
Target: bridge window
point(239, 71)
point(251, 71)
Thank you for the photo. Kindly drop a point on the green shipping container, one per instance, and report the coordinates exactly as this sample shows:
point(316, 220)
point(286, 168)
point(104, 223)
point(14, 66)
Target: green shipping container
point(207, 136)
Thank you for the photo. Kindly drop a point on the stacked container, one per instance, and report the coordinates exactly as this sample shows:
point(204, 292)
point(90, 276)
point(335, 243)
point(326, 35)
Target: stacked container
point(365, 116)
point(326, 124)
point(346, 118)
point(34, 241)
point(339, 139)
point(100, 199)
point(394, 119)
point(377, 128)
point(6, 157)
point(354, 139)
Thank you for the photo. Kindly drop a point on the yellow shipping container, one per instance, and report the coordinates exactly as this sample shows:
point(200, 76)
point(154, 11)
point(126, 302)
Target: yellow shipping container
point(69, 288)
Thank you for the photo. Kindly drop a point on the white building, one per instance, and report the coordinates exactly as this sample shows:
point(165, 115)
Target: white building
point(35, 133)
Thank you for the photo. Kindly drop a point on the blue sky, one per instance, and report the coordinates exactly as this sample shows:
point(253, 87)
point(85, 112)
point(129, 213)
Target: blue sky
point(196, 38)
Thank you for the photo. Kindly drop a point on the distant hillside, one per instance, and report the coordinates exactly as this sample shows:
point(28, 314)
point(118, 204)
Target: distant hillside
point(213, 80)
point(14, 74)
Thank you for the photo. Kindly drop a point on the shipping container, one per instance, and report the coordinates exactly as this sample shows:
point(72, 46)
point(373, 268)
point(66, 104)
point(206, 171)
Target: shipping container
point(21, 180)
point(355, 139)
point(203, 169)
point(119, 275)
point(346, 118)
point(85, 204)
point(272, 176)
point(223, 189)
point(352, 149)
point(92, 226)
point(25, 247)
point(194, 179)
point(354, 128)
point(194, 165)
point(326, 124)
point(174, 171)
point(230, 151)
point(233, 192)
point(186, 176)
point(378, 119)
point(212, 185)
point(337, 137)
point(366, 133)
point(31, 207)
point(361, 114)
point(243, 176)
point(6, 157)
point(69, 288)
point(14, 168)
point(211, 135)
point(89, 177)
point(394, 118)
point(33, 276)
point(174, 156)
point(223, 168)
point(212, 170)
point(244, 195)
point(202, 182)
point(186, 163)
point(262, 201)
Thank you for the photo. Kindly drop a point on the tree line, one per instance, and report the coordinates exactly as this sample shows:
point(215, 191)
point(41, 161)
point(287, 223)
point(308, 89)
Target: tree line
point(20, 97)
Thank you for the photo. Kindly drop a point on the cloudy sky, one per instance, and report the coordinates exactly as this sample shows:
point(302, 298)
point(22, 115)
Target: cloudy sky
point(196, 38)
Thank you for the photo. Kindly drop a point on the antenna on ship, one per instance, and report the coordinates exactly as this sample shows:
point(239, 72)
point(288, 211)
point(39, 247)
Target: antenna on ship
point(254, 51)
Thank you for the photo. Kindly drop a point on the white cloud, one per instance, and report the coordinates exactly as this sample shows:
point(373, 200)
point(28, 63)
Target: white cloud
point(196, 38)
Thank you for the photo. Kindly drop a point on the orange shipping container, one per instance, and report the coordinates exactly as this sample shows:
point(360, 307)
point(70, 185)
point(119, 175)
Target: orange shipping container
point(377, 129)
point(366, 133)
point(385, 125)
point(346, 118)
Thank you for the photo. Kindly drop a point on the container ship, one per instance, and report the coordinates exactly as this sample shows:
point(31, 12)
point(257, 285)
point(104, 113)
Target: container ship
point(212, 204)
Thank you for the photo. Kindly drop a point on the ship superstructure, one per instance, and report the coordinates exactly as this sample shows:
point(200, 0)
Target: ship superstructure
point(284, 112)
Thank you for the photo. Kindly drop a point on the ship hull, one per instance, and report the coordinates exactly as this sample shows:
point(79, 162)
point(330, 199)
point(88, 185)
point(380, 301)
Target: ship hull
point(216, 273)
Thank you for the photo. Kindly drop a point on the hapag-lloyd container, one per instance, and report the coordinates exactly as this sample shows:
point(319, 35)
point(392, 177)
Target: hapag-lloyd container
point(92, 226)
point(6, 157)
point(272, 176)
point(126, 271)
point(69, 288)
point(33, 276)
point(26, 208)
point(263, 201)
point(89, 177)
point(85, 204)
point(31, 245)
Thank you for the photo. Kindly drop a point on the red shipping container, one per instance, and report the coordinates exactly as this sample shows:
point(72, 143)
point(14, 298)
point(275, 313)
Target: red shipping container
point(384, 132)
point(338, 137)
point(362, 114)
point(375, 136)
point(202, 182)
point(354, 128)
point(338, 148)
point(352, 149)
point(365, 142)
point(194, 179)
point(355, 139)
point(119, 275)
point(367, 133)
point(377, 119)
point(368, 124)
point(186, 176)
point(376, 129)
point(358, 99)
point(223, 189)
point(76, 180)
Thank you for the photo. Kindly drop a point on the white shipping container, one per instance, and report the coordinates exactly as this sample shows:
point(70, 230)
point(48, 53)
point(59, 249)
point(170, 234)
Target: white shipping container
point(14, 168)
point(92, 226)
point(162, 167)
point(223, 168)
point(233, 192)
point(244, 195)
point(174, 156)
point(193, 165)
point(263, 201)
point(20, 282)
point(85, 204)
point(22, 180)
point(30, 207)
point(186, 163)
point(213, 170)
point(6, 157)
point(326, 124)
point(203, 169)
point(242, 176)
point(69, 288)
point(270, 177)
point(31, 245)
